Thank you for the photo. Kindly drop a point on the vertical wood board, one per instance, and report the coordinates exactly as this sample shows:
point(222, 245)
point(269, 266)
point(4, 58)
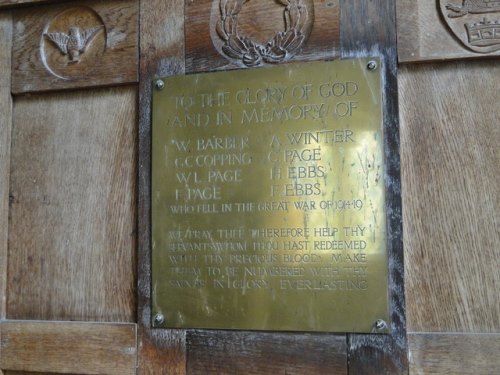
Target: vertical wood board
point(5, 139)
point(450, 158)
point(69, 348)
point(72, 219)
point(5, 134)
point(368, 29)
point(162, 54)
point(45, 56)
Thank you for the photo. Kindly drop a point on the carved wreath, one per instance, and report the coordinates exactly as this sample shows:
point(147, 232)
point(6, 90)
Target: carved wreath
point(279, 48)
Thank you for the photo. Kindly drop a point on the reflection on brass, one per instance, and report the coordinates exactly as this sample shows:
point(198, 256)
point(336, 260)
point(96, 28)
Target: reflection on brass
point(268, 209)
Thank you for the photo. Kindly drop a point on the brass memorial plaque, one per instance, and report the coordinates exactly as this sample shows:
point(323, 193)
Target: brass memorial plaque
point(268, 208)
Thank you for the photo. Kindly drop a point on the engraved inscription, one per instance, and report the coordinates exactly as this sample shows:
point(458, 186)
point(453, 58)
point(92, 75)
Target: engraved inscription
point(474, 23)
point(246, 51)
point(73, 43)
point(268, 199)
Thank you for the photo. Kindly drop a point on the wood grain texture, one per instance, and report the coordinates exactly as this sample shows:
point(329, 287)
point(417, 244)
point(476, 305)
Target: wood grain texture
point(368, 29)
point(5, 139)
point(460, 354)
point(68, 348)
point(15, 3)
point(259, 21)
point(72, 218)
point(218, 352)
point(162, 54)
point(450, 159)
point(424, 36)
point(110, 58)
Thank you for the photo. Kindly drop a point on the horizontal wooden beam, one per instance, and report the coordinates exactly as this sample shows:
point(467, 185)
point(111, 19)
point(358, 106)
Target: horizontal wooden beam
point(454, 353)
point(257, 353)
point(68, 347)
point(15, 3)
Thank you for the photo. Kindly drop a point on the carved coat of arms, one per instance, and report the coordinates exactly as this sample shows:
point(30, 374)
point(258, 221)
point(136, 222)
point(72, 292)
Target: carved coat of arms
point(475, 22)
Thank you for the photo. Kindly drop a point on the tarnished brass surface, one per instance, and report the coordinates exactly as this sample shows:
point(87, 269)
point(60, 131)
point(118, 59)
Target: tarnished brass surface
point(268, 207)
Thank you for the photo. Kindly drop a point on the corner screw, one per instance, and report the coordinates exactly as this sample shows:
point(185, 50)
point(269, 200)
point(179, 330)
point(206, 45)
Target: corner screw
point(380, 324)
point(160, 84)
point(158, 320)
point(372, 65)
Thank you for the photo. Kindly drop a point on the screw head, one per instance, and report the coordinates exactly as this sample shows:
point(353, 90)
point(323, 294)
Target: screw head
point(372, 65)
point(159, 84)
point(159, 319)
point(380, 324)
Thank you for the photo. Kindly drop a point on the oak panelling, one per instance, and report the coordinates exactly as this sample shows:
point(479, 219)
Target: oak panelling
point(465, 354)
point(217, 352)
point(162, 54)
point(424, 36)
point(5, 139)
point(110, 57)
point(13, 3)
point(368, 29)
point(72, 218)
point(450, 160)
point(69, 348)
point(259, 21)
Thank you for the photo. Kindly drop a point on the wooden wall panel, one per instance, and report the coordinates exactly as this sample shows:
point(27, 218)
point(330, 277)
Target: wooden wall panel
point(72, 218)
point(162, 54)
point(5, 139)
point(424, 36)
point(216, 352)
point(110, 56)
point(464, 354)
point(12, 3)
point(69, 348)
point(450, 160)
point(368, 29)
